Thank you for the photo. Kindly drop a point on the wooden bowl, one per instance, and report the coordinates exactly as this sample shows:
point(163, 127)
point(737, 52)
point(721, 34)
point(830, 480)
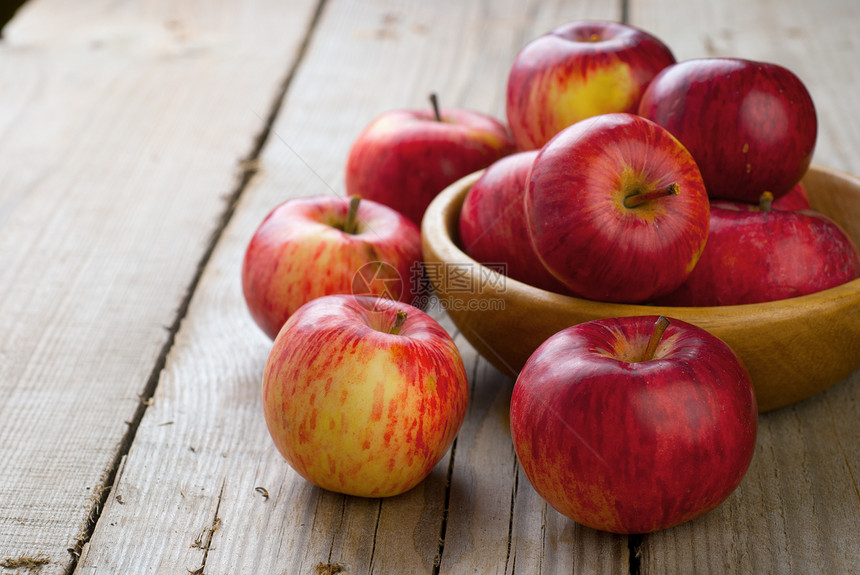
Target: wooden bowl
point(792, 348)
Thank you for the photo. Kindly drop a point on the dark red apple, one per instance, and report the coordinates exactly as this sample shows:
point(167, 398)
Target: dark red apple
point(493, 226)
point(404, 158)
point(751, 126)
point(616, 209)
point(582, 69)
point(755, 254)
point(627, 430)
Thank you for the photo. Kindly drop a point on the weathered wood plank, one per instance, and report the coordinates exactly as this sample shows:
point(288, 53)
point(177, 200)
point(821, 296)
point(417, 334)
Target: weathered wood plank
point(798, 508)
point(364, 58)
point(122, 127)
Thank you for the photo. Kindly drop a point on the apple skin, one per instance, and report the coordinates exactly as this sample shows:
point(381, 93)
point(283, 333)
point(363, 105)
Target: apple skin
point(300, 252)
point(493, 227)
point(355, 409)
point(753, 256)
point(581, 229)
point(404, 158)
point(751, 126)
point(576, 71)
point(630, 446)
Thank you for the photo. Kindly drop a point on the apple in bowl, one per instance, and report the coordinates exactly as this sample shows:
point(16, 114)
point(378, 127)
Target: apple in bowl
point(756, 254)
point(493, 228)
point(616, 209)
point(576, 71)
point(751, 126)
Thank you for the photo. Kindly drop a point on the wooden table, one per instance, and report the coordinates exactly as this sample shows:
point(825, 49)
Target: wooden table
point(140, 145)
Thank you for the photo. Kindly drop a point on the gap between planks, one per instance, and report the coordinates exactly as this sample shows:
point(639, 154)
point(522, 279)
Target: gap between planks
point(247, 170)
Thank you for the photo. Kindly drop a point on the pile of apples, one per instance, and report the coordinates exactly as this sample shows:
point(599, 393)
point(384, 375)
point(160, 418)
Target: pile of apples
point(622, 175)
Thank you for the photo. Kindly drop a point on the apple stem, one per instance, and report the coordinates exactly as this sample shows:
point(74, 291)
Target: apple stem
point(434, 101)
point(639, 198)
point(398, 322)
point(765, 201)
point(659, 327)
point(351, 223)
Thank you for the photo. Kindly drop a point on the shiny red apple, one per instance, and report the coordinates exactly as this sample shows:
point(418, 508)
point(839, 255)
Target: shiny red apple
point(755, 254)
point(320, 245)
point(493, 226)
point(582, 69)
point(616, 209)
point(363, 399)
point(629, 430)
point(404, 158)
point(751, 126)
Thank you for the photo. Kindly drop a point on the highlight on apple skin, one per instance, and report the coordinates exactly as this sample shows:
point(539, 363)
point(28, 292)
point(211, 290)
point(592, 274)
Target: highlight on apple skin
point(362, 396)
point(579, 70)
point(626, 429)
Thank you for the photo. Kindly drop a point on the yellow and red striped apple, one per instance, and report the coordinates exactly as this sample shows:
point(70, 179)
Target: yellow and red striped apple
point(312, 246)
point(363, 396)
point(582, 69)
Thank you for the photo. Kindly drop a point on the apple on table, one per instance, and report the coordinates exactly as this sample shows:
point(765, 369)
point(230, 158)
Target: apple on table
point(321, 245)
point(751, 126)
point(755, 254)
point(634, 424)
point(363, 396)
point(616, 208)
point(404, 158)
point(581, 69)
point(493, 228)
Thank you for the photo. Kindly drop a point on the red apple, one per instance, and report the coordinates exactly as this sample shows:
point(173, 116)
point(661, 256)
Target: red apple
point(309, 247)
point(493, 227)
point(363, 399)
point(751, 126)
point(616, 209)
point(795, 199)
point(755, 254)
point(582, 69)
point(627, 430)
point(404, 158)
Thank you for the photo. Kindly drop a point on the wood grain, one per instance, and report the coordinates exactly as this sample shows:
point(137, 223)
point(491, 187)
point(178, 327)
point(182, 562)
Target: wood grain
point(364, 58)
point(122, 127)
point(798, 508)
